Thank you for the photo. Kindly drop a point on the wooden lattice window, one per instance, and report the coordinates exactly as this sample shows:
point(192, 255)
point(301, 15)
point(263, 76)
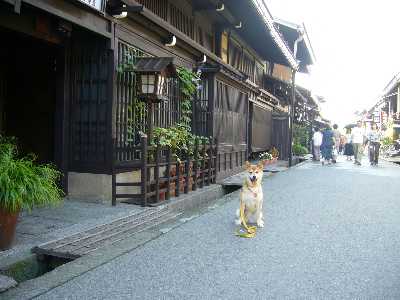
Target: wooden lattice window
point(260, 71)
point(90, 84)
point(235, 54)
point(158, 7)
point(201, 111)
point(130, 115)
point(181, 21)
point(248, 65)
point(167, 114)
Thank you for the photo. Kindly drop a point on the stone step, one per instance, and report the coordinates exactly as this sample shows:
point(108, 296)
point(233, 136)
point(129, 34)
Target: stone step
point(77, 245)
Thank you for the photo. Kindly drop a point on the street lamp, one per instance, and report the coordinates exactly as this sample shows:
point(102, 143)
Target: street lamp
point(152, 74)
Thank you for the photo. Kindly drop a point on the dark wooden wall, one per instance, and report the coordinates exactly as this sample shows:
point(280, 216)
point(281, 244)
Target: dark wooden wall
point(91, 82)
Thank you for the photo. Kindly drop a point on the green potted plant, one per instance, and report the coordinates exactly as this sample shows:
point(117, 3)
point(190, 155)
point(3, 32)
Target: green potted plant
point(23, 185)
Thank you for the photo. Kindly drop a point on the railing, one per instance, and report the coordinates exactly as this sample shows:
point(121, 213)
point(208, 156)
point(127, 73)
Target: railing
point(230, 162)
point(161, 175)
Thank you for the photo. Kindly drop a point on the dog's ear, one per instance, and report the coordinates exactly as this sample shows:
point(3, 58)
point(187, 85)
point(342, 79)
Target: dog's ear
point(247, 164)
point(260, 165)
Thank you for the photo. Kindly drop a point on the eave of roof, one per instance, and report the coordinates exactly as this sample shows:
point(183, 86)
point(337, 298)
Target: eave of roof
point(276, 36)
point(305, 51)
point(392, 83)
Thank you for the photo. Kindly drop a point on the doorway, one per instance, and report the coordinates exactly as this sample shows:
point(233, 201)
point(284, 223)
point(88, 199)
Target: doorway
point(29, 82)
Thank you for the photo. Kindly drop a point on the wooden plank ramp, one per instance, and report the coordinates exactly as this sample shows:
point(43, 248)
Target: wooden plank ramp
point(82, 243)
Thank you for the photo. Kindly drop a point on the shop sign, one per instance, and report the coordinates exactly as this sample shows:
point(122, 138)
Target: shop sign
point(95, 4)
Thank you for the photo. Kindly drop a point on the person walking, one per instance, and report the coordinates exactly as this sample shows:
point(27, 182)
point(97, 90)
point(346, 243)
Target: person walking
point(374, 140)
point(358, 138)
point(327, 145)
point(342, 143)
point(317, 141)
point(348, 146)
point(336, 136)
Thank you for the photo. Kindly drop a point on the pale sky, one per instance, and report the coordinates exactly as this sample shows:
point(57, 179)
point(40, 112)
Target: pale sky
point(357, 47)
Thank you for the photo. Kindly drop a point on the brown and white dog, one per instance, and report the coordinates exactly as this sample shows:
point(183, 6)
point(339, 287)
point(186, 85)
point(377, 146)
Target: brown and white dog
point(251, 195)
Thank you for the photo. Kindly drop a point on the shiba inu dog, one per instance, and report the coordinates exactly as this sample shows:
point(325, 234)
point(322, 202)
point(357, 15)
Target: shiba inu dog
point(251, 195)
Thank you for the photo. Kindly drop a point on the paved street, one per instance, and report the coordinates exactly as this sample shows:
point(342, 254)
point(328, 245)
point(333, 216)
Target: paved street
point(331, 232)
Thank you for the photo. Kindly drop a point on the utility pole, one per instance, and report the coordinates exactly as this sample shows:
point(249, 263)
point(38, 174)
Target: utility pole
point(300, 32)
point(291, 116)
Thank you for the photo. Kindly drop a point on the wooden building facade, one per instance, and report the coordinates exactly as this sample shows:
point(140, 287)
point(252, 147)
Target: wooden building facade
point(62, 96)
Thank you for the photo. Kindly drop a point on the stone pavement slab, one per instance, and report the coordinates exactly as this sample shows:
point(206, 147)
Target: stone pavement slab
point(46, 224)
point(6, 283)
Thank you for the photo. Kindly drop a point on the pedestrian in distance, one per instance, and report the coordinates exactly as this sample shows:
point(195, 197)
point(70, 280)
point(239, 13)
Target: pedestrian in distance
point(327, 145)
point(342, 143)
point(374, 139)
point(317, 141)
point(336, 136)
point(348, 146)
point(358, 138)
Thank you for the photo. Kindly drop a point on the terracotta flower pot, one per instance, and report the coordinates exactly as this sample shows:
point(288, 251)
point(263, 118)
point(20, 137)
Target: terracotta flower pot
point(8, 223)
point(267, 162)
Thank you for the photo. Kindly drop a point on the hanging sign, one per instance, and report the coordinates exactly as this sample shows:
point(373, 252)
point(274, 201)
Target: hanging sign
point(95, 4)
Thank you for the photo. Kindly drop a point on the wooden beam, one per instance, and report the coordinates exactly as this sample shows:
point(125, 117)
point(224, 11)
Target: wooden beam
point(181, 36)
point(77, 15)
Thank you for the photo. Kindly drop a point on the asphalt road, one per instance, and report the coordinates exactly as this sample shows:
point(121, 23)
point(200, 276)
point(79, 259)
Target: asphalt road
point(330, 232)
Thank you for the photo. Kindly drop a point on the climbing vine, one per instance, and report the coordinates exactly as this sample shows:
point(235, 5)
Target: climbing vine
point(189, 84)
point(179, 137)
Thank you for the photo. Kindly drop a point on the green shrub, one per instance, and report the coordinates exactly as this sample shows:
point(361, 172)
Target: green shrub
point(387, 141)
point(299, 150)
point(24, 184)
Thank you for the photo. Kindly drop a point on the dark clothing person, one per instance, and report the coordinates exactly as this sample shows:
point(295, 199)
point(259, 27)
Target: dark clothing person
point(374, 138)
point(348, 149)
point(374, 152)
point(327, 145)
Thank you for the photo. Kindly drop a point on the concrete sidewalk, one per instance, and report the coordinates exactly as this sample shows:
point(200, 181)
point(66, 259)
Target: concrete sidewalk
point(46, 224)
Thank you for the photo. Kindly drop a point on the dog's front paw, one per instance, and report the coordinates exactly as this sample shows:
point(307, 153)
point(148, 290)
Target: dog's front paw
point(260, 223)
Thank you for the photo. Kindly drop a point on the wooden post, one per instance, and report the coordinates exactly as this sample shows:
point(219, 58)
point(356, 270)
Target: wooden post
point(150, 119)
point(168, 170)
point(195, 162)
point(203, 163)
point(178, 175)
point(113, 178)
point(210, 161)
point(143, 173)
point(157, 172)
point(291, 116)
point(187, 173)
point(114, 189)
point(216, 160)
point(225, 162)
